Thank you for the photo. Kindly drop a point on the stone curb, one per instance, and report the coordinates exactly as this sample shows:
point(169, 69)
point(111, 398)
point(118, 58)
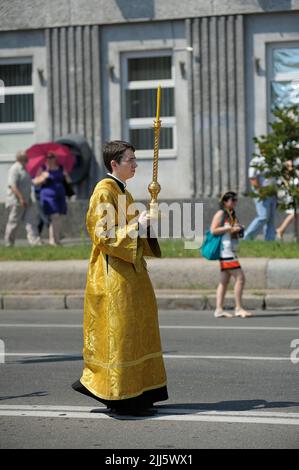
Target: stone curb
point(165, 301)
point(251, 302)
point(290, 302)
point(31, 302)
point(166, 273)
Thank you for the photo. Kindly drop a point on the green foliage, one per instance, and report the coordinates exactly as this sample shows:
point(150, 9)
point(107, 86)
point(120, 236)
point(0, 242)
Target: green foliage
point(280, 149)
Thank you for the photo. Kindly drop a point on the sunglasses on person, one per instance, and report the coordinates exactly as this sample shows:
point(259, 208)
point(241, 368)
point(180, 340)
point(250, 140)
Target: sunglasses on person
point(50, 157)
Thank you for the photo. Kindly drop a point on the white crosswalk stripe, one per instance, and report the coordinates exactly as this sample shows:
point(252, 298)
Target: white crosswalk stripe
point(164, 414)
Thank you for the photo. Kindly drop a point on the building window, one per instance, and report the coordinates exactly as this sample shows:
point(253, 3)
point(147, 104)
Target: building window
point(284, 74)
point(142, 73)
point(17, 126)
point(17, 112)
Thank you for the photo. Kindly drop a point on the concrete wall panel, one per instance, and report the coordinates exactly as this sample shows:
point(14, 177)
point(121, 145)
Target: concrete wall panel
point(218, 98)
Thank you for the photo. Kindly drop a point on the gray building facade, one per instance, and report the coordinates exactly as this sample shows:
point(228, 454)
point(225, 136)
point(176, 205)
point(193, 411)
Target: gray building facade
point(92, 68)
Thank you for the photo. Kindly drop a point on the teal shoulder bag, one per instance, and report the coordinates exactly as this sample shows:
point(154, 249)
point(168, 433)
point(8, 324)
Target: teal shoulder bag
point(212, 244)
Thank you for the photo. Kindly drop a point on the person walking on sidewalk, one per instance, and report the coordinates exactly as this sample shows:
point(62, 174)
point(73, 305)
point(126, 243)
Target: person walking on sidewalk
point(225, 223)
point(266, 208)
point(123, 361)
point(19, 203)
point(52, 195)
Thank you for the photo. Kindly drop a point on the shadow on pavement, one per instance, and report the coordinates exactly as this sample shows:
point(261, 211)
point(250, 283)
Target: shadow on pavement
point(236, 405)
point(26, 395)
point(191, 408)
point(52, 358)
point(275, 315)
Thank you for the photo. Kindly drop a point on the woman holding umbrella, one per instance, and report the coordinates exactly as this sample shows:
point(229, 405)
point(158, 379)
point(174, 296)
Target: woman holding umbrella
point(50, 177)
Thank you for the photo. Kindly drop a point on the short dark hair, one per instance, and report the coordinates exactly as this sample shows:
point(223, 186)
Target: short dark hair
point(114, 150)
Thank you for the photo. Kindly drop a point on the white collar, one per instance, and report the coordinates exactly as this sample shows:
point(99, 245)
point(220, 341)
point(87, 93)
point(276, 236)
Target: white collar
point(115, 177)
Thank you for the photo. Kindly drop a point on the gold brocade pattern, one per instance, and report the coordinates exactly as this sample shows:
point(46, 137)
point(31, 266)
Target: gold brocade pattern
point(122, 347)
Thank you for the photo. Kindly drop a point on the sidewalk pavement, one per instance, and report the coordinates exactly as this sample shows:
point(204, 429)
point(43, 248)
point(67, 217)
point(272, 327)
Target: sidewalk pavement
point(184, 283)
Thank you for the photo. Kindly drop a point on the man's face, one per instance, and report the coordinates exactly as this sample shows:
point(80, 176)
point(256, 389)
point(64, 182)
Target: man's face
point(126, 168)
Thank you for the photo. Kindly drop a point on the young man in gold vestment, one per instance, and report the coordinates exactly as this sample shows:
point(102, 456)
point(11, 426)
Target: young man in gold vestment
point(123, 362)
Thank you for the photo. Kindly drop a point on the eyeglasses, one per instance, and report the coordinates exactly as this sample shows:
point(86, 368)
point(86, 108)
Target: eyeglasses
point(131, 161)
point(50, 157)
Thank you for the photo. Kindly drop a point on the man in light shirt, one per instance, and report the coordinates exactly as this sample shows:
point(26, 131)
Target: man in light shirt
point(265, 209)
point(19, 203)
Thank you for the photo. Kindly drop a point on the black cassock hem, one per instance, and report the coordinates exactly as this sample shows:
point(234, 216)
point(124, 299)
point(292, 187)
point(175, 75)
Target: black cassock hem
point(145, 400)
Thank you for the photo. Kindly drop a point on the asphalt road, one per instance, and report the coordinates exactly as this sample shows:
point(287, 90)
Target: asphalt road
point(232, 384)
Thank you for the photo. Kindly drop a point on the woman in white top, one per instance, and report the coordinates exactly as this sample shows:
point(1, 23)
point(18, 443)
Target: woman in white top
point(225, 223)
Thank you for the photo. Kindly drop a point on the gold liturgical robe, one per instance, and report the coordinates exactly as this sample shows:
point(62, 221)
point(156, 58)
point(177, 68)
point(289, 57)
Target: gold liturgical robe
point(122, 347)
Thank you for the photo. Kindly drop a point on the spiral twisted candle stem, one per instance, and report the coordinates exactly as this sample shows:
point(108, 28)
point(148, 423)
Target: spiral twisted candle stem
point(154, 187)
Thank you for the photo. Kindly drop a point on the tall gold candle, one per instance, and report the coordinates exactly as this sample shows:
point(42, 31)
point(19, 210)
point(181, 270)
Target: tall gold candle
point(158, 103)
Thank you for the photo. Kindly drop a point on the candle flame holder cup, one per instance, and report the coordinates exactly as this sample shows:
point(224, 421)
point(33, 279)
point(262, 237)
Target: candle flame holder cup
point(154, 189)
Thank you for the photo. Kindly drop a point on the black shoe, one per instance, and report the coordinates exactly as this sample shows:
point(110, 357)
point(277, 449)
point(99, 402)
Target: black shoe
point(150, 405)
point(81, 389)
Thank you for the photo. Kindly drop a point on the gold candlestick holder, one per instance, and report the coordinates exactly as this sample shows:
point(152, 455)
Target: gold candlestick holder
point(154, 187)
